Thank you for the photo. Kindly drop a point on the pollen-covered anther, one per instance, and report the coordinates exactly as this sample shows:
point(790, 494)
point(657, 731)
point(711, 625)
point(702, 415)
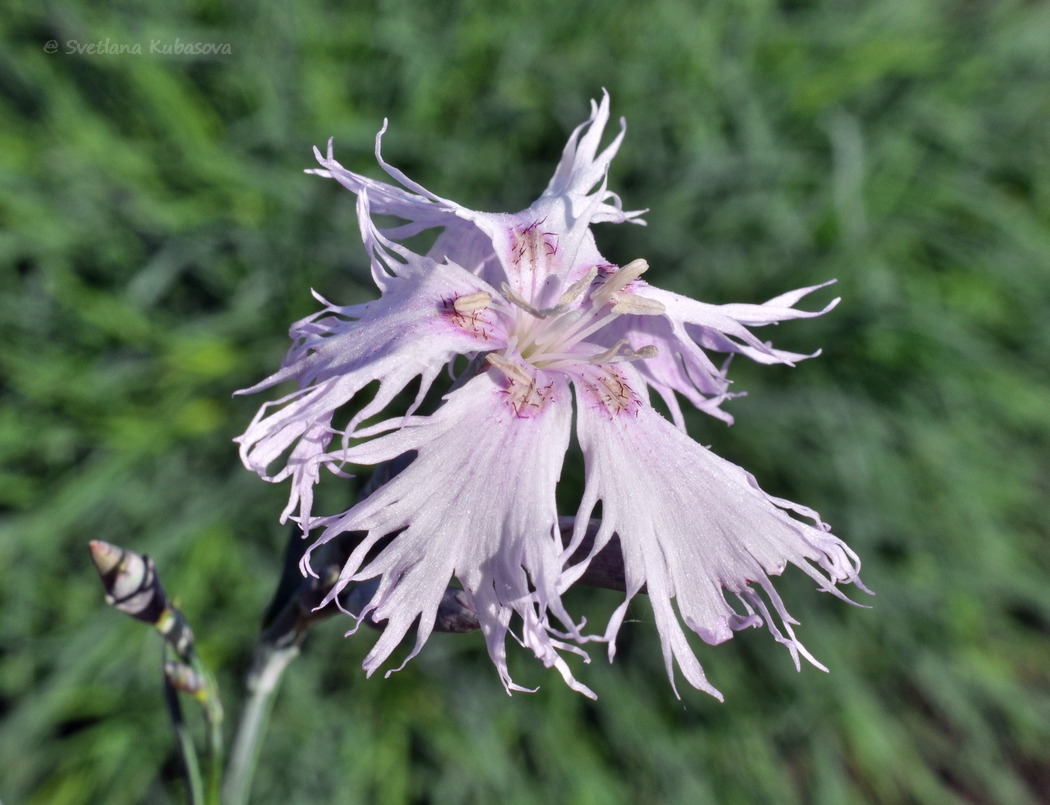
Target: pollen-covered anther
point(522, 392)
point(620, 352)
point(646, 352)
point(512, 369)
point(637, 305)
point(618, 280)
point(472, 302)
point(577, 288)
point(628, 273)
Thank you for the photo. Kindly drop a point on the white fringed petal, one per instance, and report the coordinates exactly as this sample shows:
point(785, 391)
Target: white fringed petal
point(679, 366)
point(476, 503)
point(547, 247)
point(688, 328)
point(416, 204)
point(410, 332)
point(474, 239)
point(692, 527)
point(582, 168)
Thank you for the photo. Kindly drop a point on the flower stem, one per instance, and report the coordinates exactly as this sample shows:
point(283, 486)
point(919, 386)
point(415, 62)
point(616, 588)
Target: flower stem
point(268, 667)
point(184, 741)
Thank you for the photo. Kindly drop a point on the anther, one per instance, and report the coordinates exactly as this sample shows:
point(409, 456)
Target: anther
point(646, 352)
point(619, 280)
point(609, 354)
point(620, 353)
point(472, 302)
point(511, 369)
point(578, 287)
point(637, 305)
point(632, 271)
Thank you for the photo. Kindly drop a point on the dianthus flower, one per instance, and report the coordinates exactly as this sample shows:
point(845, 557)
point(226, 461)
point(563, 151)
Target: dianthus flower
point(541, 320)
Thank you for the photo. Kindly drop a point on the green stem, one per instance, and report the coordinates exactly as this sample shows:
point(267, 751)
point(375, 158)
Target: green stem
point(185, 673)
point(269, 666)
point(213, 714)
point(184, 741)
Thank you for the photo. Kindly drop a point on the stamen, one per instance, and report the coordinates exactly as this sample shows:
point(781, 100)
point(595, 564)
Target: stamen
point(549, 337)
point(576, 334)
point(619, 280)
point(619, 353)
point(609, 354)
point(556, 327)
point(519, 301)
point(578, 288)
point(510, 368)
point(637, 305)
point(472, 302)
point(643, 354)
point(630, 272)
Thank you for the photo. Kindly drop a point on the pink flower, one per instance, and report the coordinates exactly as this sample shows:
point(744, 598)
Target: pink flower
point(548, 327)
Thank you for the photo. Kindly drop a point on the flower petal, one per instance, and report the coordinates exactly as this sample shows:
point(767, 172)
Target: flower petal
point(460, 241)
point(689, 327)
point(680, 365)
point(417, 204)
point(412, 331)
point(779, 308)
point(474, 239)
point(477, 502)
point(582, 168)
point(691, 526)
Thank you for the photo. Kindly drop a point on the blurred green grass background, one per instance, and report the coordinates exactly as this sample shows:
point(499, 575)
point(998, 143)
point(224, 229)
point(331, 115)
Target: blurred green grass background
point(157, 237)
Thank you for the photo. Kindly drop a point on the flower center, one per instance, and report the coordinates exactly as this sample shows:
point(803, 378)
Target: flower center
point(556, 337)
point(550, 338)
